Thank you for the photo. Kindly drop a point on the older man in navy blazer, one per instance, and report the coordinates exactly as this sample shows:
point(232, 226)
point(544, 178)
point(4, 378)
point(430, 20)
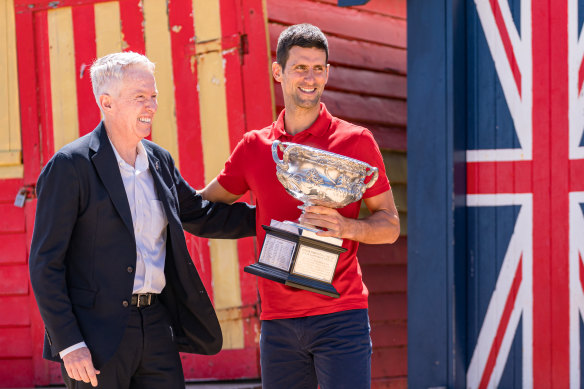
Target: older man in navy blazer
point(116, 287)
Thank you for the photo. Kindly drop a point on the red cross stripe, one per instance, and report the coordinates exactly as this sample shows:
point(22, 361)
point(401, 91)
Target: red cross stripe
point(542, 73)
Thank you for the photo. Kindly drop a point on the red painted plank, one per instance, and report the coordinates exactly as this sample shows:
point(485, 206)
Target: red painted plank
point(388, 138)
point(355, 53)
point(384, 254)
point(43, 68)
point(386, 307)
point(499, 177)
point(332, 20)
point(8, 190)
point(576, 174)
point(15, 342)
point(389, 362)
point(13, 249)
point(132, 20)
point(85, 50)
point(14, 311)
point(240, 364)
point(16, 373)
point(385, 334)
point(389, 383)
point(186, 93)
point(12, 219)
point(256, 68)
point(385, 278)
point(396, 8)
point(14, 280)
point(368, 82)
point(27, 85)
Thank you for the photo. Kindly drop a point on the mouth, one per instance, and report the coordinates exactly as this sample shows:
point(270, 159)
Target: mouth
point(307, 90)
point(146, 120)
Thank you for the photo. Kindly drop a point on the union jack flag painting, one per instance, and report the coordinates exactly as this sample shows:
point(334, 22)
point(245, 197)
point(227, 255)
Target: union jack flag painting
point(525, 171)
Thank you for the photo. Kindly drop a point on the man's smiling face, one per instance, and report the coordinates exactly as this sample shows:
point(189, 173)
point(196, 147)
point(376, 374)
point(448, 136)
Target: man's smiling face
point(304, 77)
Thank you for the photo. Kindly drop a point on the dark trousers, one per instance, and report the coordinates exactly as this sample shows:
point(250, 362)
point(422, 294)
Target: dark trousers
point(331, 351)
point(147, 357)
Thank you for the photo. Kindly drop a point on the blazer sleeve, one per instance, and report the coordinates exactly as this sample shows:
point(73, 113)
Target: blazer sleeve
point(56, 214)
point(213, 220)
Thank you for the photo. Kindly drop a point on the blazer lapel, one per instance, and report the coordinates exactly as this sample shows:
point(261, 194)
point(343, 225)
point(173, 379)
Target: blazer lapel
point(108, 170)
point(164, 193)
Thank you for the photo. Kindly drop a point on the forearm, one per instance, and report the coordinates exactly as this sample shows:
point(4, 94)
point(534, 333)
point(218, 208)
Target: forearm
point(378, 228)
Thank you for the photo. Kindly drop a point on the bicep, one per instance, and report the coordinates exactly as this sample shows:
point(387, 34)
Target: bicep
point(381, 202)
point(215, 192)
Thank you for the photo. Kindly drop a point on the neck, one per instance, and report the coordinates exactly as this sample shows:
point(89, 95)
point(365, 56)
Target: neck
point(127, 147)
point(298, 119)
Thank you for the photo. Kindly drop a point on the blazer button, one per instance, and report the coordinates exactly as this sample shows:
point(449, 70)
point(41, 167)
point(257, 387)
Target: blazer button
point(125, 303)
point(130, 269)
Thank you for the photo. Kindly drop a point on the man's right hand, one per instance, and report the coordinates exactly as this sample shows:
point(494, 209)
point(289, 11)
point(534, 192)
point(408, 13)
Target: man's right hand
point(79, 366)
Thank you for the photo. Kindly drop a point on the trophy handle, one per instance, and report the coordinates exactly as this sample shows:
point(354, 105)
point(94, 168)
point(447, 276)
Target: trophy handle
point(282, 163)
point(375, 172)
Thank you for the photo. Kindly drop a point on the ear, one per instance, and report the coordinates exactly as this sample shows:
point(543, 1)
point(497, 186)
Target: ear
point(328, 69)
point(105, 102)
point(277, 71)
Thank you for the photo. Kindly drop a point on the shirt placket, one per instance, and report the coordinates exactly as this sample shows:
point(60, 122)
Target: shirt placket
point(143, 218)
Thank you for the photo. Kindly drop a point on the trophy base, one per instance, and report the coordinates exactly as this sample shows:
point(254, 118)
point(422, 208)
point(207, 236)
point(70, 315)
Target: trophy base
point(283, 277)
point(294, 257)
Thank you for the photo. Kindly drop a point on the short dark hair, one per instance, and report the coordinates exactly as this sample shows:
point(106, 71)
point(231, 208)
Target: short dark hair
point(303, 35)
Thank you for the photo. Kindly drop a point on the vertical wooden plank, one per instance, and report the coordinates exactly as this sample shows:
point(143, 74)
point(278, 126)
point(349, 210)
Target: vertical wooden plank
point(85, 53)
point(62, 71)
point(158, 49)
point(215, 140)
point(108, 34)
point(132, 21)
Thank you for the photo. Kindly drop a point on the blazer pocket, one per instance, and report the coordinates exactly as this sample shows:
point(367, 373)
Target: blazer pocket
point(82, 297)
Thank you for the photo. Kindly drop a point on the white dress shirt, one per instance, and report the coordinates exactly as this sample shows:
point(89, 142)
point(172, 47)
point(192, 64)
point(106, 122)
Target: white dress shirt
point(149, 220)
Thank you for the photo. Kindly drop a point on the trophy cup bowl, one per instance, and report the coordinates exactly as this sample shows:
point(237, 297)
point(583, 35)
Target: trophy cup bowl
point(294, 254)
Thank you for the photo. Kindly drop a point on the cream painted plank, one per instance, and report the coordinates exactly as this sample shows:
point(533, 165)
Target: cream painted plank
point(9, 99)
point(63, 86)
point(158, 50)
point(10, 158)
point(108, 29)
point(215, 140)
point(11, 172)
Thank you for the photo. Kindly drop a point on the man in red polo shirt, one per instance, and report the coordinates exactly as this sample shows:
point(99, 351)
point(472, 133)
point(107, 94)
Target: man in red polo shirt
point(308, 339)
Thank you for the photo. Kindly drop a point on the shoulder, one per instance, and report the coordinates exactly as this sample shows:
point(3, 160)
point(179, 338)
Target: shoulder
point(72, 154)
point(258, 135)
point(352, 131)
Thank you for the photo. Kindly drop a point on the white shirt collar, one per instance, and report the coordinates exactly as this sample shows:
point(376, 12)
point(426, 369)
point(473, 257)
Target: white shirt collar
point(141, 163)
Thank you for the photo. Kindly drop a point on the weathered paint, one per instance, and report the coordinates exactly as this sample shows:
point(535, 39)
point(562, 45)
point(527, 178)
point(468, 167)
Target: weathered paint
point(10, 144)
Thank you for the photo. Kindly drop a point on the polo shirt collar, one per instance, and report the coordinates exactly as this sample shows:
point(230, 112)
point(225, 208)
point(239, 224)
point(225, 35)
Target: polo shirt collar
point(318, 128)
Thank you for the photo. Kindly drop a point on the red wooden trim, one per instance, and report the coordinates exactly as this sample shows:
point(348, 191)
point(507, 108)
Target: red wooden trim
point(384, 254)
point(15, 343)
point(502, 328)
point(12, 219)
point(45, 5)
point(373, 83)
point(27, 87)
point(356, 54)
point(14, 311)
point(13, 248)
point(398, 302)
point(389, 362)
point(239, 364)
point(14, 280)
point(499, 177)
point(389, 138)
point(506, 43)
point(9, 190)
point(43, 67)
point(389, 383)
point(132, 20)
point(395, 8)
point(256, 68)
point(85, 52)
point(17, 373)
point(384, 334)
point(385, 278)
point(332, 20)
point(186, 95)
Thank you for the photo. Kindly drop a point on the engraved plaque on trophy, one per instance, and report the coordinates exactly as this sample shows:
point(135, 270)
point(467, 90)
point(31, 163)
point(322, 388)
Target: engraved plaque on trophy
point(293, 254)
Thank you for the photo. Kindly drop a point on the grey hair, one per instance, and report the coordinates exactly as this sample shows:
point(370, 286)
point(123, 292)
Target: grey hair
point(107, 71)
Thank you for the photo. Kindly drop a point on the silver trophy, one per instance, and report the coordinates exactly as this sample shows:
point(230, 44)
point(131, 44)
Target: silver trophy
point(293, 254)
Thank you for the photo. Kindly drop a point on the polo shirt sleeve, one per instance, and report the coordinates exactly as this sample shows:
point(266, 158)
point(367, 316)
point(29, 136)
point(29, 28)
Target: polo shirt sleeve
point(233, 177)
point(368, 151)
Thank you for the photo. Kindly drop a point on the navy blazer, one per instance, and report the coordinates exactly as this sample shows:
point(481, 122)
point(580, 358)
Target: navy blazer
point(83, 251)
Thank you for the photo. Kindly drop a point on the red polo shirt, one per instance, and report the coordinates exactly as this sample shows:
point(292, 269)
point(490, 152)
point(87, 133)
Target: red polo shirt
point(251, 167)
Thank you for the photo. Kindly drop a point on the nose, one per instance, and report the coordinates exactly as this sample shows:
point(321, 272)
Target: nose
point(152, 104)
